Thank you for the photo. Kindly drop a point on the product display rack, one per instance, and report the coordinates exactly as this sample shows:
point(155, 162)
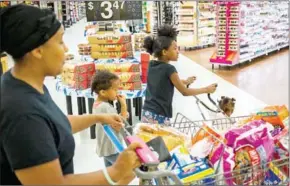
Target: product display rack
point(196, 24)
point(250, 29)
point(65, 14)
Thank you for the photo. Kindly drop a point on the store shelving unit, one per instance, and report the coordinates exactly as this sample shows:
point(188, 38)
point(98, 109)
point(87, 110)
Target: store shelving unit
point(65, 14)
point(250, 29)
point(196, 24)
point(206, 24)
point(187, 24)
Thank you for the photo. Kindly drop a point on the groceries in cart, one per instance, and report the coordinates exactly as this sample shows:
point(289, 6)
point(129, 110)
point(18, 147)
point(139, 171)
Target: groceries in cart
point(249, 152)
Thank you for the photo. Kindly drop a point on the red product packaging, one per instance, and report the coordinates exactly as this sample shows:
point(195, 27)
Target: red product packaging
point(79, 67)
point(90, 76)
point(76, 77)
point(145, 58)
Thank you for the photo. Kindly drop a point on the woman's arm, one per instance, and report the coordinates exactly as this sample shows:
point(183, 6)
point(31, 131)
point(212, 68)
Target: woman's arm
point(81, 122)
point(189, 91)
point(50, 173)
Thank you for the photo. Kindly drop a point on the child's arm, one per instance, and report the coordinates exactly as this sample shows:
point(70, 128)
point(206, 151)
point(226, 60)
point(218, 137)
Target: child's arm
point(190, 91)
point(124, 112)
point(188, 81)
point(81, 122)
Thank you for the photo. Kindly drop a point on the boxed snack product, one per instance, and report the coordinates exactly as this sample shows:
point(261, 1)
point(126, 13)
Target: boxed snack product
point(77, 67)
point(84, 49)
point(109, 38)
point(105, 55)
point(197, 173)
point(118, 67)
point(274, 176)
point(80, 85)
point(129, 77)
point(275, 115)
point(249, 149)
point(69, 57)
point(131, 86)
point(111, 47)
point(76, 77)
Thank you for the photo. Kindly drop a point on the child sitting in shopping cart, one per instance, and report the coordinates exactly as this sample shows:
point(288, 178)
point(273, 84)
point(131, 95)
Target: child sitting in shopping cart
point(106, 84)
point(163, 77)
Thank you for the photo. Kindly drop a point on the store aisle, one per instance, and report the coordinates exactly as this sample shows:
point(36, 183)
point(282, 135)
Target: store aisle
point(85, 157)
point(266, 78)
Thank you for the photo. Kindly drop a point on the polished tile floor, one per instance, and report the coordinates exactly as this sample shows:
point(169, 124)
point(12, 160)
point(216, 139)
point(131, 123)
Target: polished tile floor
point(86, 159)
point(266, 78)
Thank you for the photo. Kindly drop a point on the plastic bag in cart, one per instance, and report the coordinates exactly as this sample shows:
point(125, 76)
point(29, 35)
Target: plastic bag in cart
point(248, 150)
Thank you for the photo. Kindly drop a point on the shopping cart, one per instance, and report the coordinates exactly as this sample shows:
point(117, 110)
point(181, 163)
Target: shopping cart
point(183, 124)
point(254, 173)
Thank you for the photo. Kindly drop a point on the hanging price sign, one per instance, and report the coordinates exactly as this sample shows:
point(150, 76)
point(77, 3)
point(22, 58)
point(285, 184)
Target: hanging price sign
point(113, 10)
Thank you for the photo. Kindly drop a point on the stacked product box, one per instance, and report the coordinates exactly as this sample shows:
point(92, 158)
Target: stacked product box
point(105, 46)
point(139, 41)
point(129, 74)
point(78, 75)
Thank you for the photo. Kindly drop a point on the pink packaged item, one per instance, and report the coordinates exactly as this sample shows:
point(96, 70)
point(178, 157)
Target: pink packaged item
point(248, 150)
point(144, 153)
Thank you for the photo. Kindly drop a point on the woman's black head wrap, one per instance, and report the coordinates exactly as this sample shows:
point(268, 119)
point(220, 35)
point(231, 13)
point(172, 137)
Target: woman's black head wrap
point(24, 28)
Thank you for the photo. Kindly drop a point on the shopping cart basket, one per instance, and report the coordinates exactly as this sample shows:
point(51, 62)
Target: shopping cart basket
point(185, 125)
point(254, 173)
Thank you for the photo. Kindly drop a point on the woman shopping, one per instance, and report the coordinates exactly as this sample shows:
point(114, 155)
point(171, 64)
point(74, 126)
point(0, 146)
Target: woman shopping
point(37, 144)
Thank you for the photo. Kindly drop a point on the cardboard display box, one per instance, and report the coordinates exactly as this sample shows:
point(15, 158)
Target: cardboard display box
point(111, 47)
point(106, 55)
point(109, 38)
point(118, 67)
point(131, 86)
point(80, 68)
point(128, 77)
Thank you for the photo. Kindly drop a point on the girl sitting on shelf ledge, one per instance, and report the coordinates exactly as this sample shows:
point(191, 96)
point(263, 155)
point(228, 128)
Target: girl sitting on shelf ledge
point(163, 77)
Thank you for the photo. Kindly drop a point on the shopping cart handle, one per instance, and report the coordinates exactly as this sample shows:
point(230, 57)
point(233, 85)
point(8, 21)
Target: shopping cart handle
point(211, 100)
point(114, 139)
point(158, 174)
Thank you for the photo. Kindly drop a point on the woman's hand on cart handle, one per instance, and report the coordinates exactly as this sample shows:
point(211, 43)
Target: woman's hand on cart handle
point(128, 160)
point(114, 120)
